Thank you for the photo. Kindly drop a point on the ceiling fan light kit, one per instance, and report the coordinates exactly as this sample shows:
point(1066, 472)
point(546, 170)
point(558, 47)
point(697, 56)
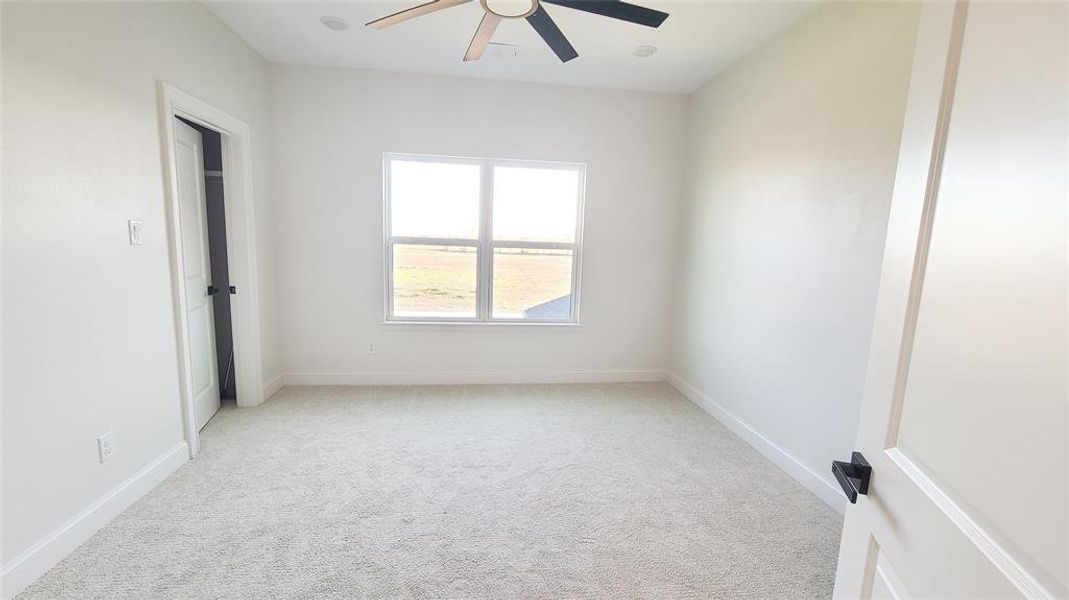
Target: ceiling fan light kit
point(486, 6)
point(536, 15)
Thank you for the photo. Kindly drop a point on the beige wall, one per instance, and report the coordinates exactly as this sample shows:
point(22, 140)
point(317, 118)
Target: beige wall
point(337, 123)
point(792, 161)
point(88, 333)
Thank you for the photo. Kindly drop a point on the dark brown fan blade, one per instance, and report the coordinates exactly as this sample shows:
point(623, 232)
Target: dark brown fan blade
point(552, 34)
point(617, 10)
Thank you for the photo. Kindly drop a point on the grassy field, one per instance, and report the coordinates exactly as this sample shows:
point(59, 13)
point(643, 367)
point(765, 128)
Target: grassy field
point(431, 279)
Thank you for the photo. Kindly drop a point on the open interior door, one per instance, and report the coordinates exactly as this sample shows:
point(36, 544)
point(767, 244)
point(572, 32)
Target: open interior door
point(197, 274)
point(965, 422)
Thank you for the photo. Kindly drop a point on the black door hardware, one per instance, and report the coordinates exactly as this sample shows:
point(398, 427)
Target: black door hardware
point(212, 290)
point(853, 476)
point(233, 290)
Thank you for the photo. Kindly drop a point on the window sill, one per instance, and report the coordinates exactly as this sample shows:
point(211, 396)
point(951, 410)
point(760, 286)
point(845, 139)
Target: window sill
point(565, 324)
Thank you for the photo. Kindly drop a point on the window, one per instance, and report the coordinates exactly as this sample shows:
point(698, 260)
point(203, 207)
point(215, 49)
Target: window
point(482, 240)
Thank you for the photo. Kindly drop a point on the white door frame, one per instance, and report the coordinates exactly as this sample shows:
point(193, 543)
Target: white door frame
point(240, 245)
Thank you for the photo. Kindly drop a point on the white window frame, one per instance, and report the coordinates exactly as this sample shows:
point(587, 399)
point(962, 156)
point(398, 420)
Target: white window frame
point(484, 244)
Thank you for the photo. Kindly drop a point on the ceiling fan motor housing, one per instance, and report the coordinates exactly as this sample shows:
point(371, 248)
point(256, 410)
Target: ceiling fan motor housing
point(523, 15)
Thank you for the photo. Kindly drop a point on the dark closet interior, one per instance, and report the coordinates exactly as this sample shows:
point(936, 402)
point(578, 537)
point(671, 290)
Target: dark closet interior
point(213, 193)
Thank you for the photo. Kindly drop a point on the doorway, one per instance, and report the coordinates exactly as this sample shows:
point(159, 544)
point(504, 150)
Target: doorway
point(201, 196)
point(207, 369)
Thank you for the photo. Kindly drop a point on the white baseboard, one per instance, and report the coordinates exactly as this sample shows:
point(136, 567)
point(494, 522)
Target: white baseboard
point(272, 387)
point(823, 489)
point(472, 378)
point(45, 554)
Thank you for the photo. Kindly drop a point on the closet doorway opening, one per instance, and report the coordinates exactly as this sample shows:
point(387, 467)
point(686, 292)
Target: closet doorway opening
point(202, 216)
point(208, 175)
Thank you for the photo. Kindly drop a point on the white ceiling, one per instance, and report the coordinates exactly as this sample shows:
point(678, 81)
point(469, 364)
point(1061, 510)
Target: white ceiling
point(699, 39)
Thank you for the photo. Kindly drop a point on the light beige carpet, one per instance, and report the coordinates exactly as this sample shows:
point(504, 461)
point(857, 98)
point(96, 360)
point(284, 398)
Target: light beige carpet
point(569, 491)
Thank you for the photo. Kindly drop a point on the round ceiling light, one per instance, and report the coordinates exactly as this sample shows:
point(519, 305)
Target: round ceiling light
point(645, 51)
point(334, 23)
point(518, 14)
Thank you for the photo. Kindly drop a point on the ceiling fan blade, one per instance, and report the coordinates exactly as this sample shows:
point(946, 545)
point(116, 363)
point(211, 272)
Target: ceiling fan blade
point(482, 36)
point(552, 34)
point(415, 11)
point(617, 10)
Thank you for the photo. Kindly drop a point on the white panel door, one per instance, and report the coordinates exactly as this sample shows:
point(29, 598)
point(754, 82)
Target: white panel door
point(965, 420)
point(192, 216)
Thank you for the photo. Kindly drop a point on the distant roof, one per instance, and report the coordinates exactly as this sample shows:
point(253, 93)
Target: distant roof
point(558, 308)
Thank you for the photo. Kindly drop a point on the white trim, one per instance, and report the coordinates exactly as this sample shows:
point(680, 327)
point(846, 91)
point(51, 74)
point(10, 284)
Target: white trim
point(472, 378)
point(272, 387)
point(890, 578)
point(474, 160)
point(927, 222)
point(54, 547)
point(434, 241)
point(775, 453)
point(495, 244)
point(484, 284)
point(1003, 559)
point(424, 322)
point(241, 246)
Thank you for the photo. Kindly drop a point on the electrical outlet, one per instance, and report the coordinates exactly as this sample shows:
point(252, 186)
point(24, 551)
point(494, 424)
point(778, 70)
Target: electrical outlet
point(371, 348)
point(105, 446)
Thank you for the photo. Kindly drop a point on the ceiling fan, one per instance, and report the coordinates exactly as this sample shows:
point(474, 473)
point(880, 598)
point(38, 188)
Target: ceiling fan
point(536, 16)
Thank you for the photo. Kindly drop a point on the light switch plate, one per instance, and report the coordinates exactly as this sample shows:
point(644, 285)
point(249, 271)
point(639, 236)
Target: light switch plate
point(136, 233)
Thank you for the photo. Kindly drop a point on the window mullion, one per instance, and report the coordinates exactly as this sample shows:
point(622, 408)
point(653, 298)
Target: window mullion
point(486, 208)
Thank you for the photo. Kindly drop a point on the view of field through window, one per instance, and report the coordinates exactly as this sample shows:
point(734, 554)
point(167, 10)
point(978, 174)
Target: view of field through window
point(441, 280)
point(532, 284)
point(434, 281)
point(435, 213)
